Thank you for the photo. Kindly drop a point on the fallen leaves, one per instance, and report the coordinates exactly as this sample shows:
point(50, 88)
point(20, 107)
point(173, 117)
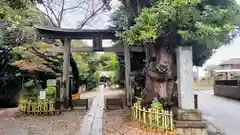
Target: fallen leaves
point(116, 123)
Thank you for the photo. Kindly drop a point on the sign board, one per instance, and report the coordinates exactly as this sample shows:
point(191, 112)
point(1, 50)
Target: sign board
point(42, 95)
point(51, 82)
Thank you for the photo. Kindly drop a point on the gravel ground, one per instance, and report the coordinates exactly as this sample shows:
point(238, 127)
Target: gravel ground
point(117, 122)
point(67, 123)
point(12, 123)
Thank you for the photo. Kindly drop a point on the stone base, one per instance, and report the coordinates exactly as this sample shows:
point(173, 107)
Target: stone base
point(191, 131)
point(114, 102)
point(190, 122)
point(189, 115)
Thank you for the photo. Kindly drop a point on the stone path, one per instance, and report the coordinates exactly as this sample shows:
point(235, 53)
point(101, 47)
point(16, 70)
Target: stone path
point(93, 121)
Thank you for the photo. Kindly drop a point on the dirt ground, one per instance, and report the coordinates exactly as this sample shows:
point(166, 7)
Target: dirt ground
point(64, 124)
point(118, 122)
point(13, 123)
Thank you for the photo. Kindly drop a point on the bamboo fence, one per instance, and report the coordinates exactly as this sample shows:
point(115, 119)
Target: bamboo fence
point(31, 104)
point(153, 118)
point(37, 107)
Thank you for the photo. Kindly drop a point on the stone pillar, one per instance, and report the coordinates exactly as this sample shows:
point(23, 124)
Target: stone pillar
point(127, 61)
point(189, 120)
point(64, 94)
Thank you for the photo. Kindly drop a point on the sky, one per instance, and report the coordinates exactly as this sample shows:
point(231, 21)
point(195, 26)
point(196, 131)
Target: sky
point(102, 21)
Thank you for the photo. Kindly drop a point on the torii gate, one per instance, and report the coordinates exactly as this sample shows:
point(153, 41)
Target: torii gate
point(97, 36)
point(189, 120)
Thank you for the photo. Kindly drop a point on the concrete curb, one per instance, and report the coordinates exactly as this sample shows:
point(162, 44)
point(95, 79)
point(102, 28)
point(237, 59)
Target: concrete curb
point(212, 129)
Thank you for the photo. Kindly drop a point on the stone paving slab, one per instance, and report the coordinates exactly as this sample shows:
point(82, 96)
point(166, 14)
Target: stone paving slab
point(93, 121)
point(97, 128)
point(86, 125)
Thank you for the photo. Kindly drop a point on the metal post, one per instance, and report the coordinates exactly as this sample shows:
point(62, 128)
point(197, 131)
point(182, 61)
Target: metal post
point(66, 63)
point(127, 74)
point(196, 101)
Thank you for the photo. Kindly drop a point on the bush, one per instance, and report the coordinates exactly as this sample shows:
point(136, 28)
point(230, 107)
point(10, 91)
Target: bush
point(50, 90)
point(156, 104)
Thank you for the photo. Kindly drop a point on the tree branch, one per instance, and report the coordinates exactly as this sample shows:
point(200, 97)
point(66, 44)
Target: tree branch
point(60, 16)
point(48, 7)
point(77, 6)
point(88, 18)
point(48, 16)
point(43, 56)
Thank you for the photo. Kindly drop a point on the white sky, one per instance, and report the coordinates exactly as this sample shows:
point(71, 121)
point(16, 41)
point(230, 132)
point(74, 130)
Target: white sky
point(223, 53)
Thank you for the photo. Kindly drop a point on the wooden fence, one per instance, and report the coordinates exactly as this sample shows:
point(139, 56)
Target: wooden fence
point(153, 118)
point(37, 107)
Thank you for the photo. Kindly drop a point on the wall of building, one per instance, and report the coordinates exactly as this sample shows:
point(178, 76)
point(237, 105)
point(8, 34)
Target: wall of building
point(227, 88)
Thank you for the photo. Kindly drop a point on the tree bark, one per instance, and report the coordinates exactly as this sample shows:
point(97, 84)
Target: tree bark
point(160, 74)
point(75, 73)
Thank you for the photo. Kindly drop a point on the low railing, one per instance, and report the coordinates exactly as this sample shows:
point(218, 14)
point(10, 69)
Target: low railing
point(38, 107)
point(153, 118)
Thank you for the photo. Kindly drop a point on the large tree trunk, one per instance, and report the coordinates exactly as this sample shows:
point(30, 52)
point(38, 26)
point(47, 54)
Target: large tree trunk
point(160, 74)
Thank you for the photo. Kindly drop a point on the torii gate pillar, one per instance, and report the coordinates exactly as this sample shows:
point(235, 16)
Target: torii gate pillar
point(64, 94)
point(127, 60)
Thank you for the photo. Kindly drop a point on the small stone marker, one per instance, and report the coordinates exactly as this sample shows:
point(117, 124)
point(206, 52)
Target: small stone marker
point(42, 95)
